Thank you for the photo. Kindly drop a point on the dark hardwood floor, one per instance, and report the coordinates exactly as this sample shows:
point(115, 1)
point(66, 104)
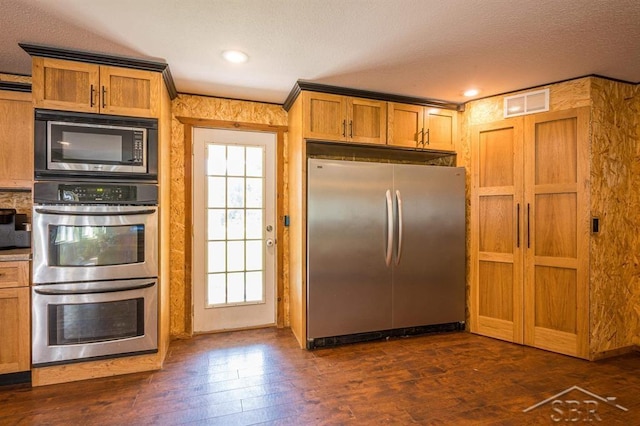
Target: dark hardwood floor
point(261, 377)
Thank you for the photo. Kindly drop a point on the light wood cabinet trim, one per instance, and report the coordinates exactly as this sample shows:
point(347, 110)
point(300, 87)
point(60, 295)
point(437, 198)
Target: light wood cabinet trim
point(496, 328)
point(14, 274)
point(94, 369)
point(297, 156)
point(15, 338)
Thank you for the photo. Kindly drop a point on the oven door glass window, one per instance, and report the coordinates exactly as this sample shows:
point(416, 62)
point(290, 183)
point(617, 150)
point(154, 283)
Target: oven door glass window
point(71, 324)
point(84, 246)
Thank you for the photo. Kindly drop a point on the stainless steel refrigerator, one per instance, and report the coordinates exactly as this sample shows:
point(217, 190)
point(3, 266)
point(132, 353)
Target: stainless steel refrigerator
point(385, 247)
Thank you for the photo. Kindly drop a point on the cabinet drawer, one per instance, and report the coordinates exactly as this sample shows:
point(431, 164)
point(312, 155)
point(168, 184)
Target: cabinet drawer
point(14, 274)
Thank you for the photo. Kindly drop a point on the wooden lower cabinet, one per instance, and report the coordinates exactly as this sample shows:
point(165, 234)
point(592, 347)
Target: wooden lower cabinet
point(530, 231)
point(15, 315)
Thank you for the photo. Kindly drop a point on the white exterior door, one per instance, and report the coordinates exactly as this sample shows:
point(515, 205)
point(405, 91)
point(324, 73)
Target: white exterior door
point(234, 233)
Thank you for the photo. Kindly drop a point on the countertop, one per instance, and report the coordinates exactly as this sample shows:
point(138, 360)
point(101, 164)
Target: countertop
point(15, 254)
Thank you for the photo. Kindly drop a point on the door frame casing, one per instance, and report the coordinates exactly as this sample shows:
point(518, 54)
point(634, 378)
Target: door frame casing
point(281, 208)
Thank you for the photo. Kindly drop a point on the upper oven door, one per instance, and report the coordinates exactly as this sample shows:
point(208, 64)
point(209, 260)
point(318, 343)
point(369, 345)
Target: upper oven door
point(93, 243)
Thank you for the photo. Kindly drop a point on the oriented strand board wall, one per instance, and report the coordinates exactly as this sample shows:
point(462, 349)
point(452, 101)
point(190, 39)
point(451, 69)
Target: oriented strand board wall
point(216, 109)
point(615, 199)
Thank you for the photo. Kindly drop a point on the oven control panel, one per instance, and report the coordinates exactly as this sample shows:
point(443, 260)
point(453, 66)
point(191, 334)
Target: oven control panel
point(94, 193)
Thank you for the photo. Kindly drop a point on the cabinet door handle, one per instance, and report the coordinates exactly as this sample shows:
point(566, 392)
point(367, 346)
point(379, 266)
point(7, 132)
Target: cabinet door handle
point(344, 128)
point(92, 101)
point(518, 225)
point(528, 227)
point(419, 137)
point(428, 138)
point(350, 128)
point(104, 97)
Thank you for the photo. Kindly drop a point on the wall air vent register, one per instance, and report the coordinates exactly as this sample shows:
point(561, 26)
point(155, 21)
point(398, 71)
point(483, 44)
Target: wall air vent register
point(526, 103)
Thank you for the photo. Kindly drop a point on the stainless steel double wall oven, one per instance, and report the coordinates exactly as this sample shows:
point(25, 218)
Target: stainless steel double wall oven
point(95, 256)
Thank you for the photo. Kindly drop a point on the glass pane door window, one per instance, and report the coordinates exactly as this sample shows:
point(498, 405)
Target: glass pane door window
point(235, 192)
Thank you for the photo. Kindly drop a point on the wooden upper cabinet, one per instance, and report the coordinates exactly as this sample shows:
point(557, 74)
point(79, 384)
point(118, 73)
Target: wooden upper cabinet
point(406, 125)
point(441, 128)
point(344, 119)
point(129, 92)
point(414, 126)
point(367, 121)
point(16, 140)
point(77, 86)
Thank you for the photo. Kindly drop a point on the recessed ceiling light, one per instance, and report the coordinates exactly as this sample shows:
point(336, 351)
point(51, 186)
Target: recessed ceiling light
point(235, 56)
point(471, 92)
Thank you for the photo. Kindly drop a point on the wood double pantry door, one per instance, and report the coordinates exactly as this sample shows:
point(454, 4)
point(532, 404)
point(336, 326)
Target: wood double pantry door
point(530, 231)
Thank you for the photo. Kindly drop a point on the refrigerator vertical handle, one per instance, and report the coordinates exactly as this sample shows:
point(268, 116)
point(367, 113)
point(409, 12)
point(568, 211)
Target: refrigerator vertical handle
point(400, 223)
point(389, 250)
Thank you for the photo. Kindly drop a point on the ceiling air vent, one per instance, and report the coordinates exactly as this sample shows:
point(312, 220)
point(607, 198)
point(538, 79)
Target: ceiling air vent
point(526, 103)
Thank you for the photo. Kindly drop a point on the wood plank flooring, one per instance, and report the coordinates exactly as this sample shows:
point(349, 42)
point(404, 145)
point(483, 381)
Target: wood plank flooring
point(262, 377)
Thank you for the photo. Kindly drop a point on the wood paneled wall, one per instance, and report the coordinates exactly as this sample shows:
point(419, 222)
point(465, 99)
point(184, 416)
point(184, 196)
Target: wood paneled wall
point(201, 107)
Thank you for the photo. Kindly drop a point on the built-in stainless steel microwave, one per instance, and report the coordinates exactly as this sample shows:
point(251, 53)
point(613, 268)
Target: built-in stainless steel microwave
point(84, 146)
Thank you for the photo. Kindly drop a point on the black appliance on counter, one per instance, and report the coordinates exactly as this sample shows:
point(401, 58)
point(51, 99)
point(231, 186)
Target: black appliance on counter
point(14, 230)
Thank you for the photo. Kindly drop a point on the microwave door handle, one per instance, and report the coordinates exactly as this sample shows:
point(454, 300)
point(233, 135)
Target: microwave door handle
point(54, 292)
point(66, 213)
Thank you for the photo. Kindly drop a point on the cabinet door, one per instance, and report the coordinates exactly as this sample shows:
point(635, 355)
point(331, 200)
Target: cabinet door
point(15, 336)
point(556, 260)
point(16, 140)
point(497, 230)
point(367, 121)
point(406, 125)
point(65, 85)
point(442, 128)
point(129, 92)
point(324, 116)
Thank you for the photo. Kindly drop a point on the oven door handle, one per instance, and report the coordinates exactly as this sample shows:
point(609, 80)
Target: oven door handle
point(67, 213)
point(54, 292)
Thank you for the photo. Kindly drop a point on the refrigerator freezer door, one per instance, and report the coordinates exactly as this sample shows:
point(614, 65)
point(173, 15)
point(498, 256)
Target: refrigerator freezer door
point(429, 277)
point(348, 282)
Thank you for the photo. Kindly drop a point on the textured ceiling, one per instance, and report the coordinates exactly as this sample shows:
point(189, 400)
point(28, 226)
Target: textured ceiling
point(426, 48)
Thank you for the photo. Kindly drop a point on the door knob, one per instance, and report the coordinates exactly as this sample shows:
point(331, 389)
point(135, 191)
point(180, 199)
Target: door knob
point(270, 242)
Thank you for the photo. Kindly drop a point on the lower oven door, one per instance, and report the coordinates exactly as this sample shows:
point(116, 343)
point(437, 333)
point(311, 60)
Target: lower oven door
point(79, 321)
point(73, 243)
